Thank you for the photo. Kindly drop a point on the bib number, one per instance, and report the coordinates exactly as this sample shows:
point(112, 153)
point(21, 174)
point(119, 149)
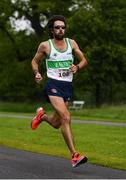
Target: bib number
point(64, 73)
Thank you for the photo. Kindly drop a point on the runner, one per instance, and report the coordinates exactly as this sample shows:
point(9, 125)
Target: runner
point(58, 53)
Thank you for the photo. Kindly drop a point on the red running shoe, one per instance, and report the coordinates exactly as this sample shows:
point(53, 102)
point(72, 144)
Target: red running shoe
point(38, 118)
point(77, 159)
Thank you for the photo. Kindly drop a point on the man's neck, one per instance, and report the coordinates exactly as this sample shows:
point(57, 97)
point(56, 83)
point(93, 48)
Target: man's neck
point(60, 44)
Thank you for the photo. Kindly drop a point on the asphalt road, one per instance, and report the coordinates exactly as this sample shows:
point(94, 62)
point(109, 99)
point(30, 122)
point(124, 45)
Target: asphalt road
point(18, 164)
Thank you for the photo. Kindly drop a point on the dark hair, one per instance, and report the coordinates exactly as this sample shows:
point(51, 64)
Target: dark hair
point(51, 21)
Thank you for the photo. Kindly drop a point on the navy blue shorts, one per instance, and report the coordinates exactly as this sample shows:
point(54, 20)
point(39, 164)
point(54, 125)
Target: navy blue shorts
point(59, 88)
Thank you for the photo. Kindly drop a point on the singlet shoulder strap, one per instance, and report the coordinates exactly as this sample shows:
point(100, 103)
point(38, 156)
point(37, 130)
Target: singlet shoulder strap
point(51, 47)
point(69, 42)
point(51, 43)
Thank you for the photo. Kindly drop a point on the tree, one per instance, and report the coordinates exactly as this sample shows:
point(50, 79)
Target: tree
point(98, 27)
point(20, 47)
point(101, 33)
point(37, 12)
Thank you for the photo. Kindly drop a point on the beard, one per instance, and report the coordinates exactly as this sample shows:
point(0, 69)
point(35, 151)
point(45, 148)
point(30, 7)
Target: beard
point(59, 36)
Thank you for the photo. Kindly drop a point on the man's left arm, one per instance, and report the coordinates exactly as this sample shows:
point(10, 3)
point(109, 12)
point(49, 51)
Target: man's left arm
point(80, 56)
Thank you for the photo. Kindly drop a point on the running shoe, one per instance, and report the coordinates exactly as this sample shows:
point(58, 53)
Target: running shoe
point(38, 118)
point(78, 160)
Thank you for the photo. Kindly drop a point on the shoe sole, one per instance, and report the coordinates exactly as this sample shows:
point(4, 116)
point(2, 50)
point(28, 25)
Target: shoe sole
point(80, 161)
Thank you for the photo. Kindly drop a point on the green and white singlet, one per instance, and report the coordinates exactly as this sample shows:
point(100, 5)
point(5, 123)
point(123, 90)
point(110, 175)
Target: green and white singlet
point(58, 62)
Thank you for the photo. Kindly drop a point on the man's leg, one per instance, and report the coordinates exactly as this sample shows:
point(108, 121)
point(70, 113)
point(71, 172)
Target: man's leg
point(53, 120)
point(64, 119)
point(61, 118)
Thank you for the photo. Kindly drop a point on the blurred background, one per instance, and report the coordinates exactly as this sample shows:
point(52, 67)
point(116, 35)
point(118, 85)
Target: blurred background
point(99, 27)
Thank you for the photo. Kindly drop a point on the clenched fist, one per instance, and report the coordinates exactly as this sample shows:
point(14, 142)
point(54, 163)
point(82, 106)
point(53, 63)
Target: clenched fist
point(38, 77)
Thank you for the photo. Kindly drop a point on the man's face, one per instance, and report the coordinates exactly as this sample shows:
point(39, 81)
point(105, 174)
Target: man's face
point(59, 30)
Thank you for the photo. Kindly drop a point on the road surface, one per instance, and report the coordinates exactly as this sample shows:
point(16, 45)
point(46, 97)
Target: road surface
point(19, 164)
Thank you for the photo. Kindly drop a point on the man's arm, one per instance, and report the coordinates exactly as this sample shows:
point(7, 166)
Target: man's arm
point(34, 63)
point(80, 56)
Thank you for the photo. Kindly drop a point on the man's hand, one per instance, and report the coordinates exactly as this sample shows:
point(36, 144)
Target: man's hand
point(74, 68)
point(38, 77)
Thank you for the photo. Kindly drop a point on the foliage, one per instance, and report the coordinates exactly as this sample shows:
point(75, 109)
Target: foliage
point(99, 32)
point(97, 26)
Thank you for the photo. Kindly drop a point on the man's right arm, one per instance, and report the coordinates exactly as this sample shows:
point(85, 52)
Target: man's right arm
point(39, 55)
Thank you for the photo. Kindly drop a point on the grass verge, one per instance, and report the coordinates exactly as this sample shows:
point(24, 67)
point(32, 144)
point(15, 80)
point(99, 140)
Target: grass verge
point(105, 113)
point(104, 145)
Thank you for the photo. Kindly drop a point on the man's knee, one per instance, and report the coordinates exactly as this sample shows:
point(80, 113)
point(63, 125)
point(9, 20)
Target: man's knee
point(66, 118)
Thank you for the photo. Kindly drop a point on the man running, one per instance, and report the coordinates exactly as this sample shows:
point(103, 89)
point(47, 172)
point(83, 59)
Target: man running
point(58, 53)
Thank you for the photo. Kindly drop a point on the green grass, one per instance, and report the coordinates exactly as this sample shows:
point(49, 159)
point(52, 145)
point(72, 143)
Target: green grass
point(105, 113)
point(104, 145)
point(21, 107)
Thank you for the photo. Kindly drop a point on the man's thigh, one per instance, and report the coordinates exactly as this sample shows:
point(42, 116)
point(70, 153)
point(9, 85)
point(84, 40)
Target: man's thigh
point(59, 105)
